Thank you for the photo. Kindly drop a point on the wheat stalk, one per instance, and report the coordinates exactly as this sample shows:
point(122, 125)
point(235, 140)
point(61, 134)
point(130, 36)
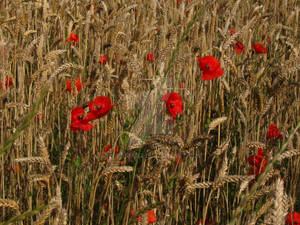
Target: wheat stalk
point(9, 203)
point(279, 212)
point(213, 124)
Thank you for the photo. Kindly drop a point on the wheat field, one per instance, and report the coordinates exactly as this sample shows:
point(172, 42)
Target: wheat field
point(229, 155)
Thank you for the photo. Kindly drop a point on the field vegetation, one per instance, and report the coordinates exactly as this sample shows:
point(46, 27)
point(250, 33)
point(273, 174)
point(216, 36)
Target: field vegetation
point(149, 112)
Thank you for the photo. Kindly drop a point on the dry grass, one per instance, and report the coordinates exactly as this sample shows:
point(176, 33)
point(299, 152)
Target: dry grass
point(186, 170)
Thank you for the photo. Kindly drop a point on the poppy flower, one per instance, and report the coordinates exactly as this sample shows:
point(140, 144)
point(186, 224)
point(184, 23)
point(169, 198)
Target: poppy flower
point(78, 85)
point(131, 212)
point(232, 32)
point(8, 83)
point(210, 67)
point(150, 57)
point(274, 133)
point(103, 59)
point(207, 222)
point(239, 48)
point(258, 163)
point(296, 218)
point(107, 147)
point(99, 108)
point(116, 149)
point(259, 48)
point(178, 160)
point(151, 216)
point(68, 83)
point(39, 116)
point(73, 38)
point(174, 103)
point(77, 120)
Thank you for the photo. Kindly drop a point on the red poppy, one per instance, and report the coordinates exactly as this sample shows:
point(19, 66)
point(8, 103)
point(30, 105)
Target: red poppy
point(232, 32)
point(296, 218)
point(210, 67)
point(174, 103)
point(107, 159)
point(116, 149)
point(259, 48)
point(99, 108)
point(39, 116)
point(103, 59)
point(105, 205)
point(68, 83)
point(151, 217)
point(178, 160)
point(239, 48)
point(131, 212)
point(78, 85)
point(207, 222)
point(107, 147)
point(258, 163)
point(77, 120)
point(8, 83)
point(73, 38)
point(150, 57)
point(274, 133)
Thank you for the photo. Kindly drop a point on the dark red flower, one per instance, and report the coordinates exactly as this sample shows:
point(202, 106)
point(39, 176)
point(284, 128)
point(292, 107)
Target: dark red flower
point(107, 147)
point(8, 83)
point(232, 32)
point(73, 38)
point(257, 162)
point(77, 120)
point(295, 220)
point(210, 67)
point(178, 160)
point(78, 85)
point(103, 59)
point(150, 57)
point(68, 83)
point(131, 212)
point(39, 116)
point(151, 217)
point(174, 103)
point(274, 133)
point(116, 149)
point(239, 48)
point(207, 222)
point(99, 108)
point(259, 48)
